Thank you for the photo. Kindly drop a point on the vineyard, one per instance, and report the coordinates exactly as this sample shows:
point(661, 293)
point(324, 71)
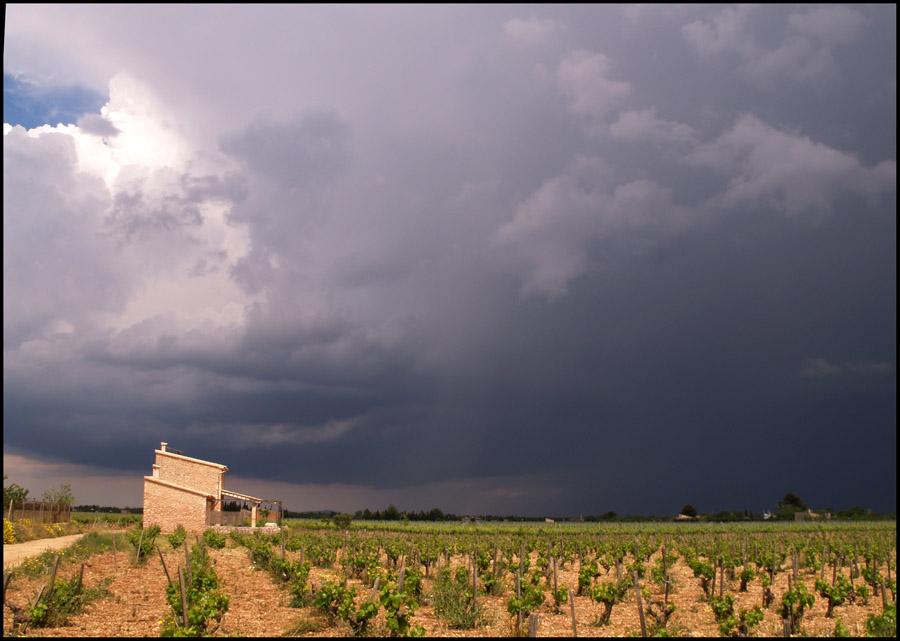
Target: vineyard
point(379, 579)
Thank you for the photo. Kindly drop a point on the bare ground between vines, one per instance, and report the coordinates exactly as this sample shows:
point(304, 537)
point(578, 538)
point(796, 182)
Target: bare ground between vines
point(136, 606)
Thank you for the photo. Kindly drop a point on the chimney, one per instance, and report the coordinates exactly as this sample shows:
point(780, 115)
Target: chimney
point(163, 446)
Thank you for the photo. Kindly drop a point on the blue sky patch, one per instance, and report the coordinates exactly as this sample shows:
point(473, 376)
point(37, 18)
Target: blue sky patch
point(32, 105)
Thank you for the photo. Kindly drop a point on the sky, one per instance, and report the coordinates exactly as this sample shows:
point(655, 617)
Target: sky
point(497, 259)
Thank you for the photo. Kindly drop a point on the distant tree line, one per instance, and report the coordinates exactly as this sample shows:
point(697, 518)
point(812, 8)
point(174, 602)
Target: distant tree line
point(785, 510)
point(106, 510)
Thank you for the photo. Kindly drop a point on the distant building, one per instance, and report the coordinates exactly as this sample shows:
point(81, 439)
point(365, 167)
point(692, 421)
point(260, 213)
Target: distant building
point(808, 515)
point(189, 492)
point(548, 520)
point(684, 517)
point(767, 515)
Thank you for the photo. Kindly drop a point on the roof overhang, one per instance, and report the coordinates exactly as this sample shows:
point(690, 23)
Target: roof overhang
point(242, 497)
point(181, 488)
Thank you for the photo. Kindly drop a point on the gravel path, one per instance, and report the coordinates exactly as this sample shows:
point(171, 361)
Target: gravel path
point(15, 553)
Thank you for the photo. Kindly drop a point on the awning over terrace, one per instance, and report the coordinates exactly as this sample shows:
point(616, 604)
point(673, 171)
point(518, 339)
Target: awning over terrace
point(255, 504)
point(241, 497)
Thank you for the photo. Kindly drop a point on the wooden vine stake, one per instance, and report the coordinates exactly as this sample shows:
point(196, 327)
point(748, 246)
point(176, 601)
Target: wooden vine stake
point(640, 604)
point(572, 611)
point(184, 612)
point(834, 570)
point(6, 580)
point(794, 563)
point(665, 575)
point(554, 578)
point(547, 573)
point(474, 584)
point(137, 557)
point(824, 554)
point(53, 576)
point(165, 569)
point(519, 597)
point(115, 560)
point(533, 625)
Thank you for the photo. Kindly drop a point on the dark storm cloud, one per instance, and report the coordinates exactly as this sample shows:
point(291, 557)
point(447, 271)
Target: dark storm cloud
point(533, 259)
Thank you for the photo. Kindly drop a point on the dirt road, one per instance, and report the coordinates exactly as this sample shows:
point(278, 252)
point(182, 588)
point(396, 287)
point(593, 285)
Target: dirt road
point(15, 553)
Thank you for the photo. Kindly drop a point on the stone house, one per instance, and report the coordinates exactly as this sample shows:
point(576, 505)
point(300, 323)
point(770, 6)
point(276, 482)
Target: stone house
point(189, 492)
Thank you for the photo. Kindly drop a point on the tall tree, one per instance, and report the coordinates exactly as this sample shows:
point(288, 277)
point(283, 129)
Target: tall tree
point(62, 495)
point(788, 506)
point(12, 492)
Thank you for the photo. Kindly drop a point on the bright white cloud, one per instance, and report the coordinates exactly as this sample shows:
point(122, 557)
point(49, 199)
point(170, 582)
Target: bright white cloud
point(137, 231)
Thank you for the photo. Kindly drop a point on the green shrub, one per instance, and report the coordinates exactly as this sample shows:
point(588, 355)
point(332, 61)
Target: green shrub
point(67, 599)
point(206, 604)
point(214, 540)
point(840, 630)
point(143, 542)
point(835, 594)
point(176, 538)
point(452, 600)
point(883, 625)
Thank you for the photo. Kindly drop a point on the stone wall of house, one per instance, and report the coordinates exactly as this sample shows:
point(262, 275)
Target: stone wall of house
point(169, 507)
point(195, 474)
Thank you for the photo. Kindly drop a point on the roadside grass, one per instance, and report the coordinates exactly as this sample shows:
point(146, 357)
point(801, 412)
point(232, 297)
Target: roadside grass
point(90, 544)
point(22, 530)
